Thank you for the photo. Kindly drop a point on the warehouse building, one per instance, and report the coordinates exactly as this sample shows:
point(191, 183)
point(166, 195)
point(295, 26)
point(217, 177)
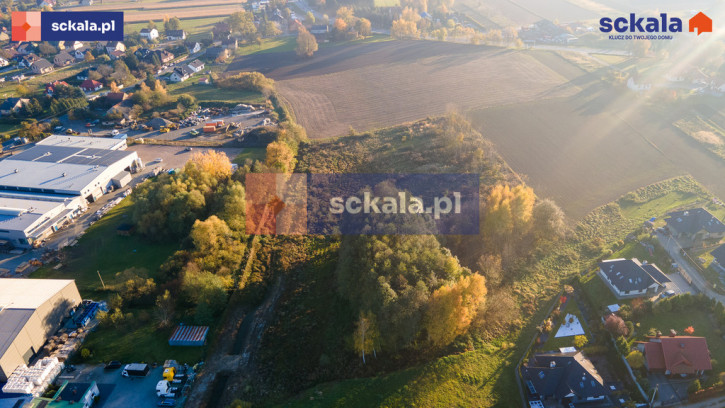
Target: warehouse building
point(52, 182)
point(31, 310)
point(106, 143)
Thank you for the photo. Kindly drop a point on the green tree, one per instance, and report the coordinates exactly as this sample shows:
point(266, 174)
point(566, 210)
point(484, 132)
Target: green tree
point(366, 334)
point(306, 43)
point(242, 22)
point(280, 157)
point(309, 18)
point(635, 359)
point(694, 387)
point(172, 24)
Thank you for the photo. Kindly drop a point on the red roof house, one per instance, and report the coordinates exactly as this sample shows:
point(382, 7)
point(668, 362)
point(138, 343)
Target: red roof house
point(677, 355)
point(90, 85)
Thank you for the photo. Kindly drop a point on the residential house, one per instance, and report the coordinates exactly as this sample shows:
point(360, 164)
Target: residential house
point(181, 74)
point(117, 54)
point(638, 85)
point(26, 48)
point(692, 227)
point(632, 278)
point(4, 36)
point(12, 105)
point(80, 53)
point(718, 255)
point(204, 81)
point(27, 60)
point(46, 3)
point(164, 56)
point(149, 33)
point(565, 378)
point(677, 355)
point(41, 66)
point(75, 45)
point(63, 59)
point(101, 45)
point(11, 51)
point(112, 46)
point(90, 85)
point(50, 87)
point(86, 2)
point(175, 34)
point(196, 65)
point(4, 62)
point(193, 47)
point(217, 53)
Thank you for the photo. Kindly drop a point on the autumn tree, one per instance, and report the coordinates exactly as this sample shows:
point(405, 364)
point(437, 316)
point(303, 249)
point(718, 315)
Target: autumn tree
point(309, 18)
point(363, 27)
point(306, 43)
point(403, 29)
point(548, 220)
point(347, 15)
point(635, 359)
point(490, 267)
point(393, 276)
point(580, 341)
point(451, 308)
point(689, 330)
point(88, 57)
point(280, 157)
point(242, 22)
point(366, 334)
point(615, 325)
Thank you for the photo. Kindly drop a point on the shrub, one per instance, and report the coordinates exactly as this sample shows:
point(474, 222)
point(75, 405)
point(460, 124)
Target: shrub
point(694, 387)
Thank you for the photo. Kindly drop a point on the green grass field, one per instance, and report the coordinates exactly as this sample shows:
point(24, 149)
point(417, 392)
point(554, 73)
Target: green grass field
point(210, 93)
point(101, 250)
point(193, 26)
point(139, 343)
point(251, 153)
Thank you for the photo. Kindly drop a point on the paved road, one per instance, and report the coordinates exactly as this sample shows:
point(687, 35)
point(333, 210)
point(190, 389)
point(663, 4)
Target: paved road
point(673, 248)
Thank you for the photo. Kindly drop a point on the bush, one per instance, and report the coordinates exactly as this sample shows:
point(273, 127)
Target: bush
point(694, 387)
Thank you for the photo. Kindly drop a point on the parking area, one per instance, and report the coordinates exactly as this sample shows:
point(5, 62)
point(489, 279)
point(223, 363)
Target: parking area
point(174, 157)
point(118, 391)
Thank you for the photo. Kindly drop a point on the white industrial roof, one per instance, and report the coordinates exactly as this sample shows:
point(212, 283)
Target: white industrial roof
point(47, 175)
point(29, 293)
point(17, 214)
point(83, 141)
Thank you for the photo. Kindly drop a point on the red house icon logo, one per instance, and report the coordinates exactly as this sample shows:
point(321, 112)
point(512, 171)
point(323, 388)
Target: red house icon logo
point(701, 22)
point(26, 25)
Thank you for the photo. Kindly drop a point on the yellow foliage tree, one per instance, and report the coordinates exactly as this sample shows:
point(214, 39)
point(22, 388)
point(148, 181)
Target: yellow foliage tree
point(451, 308)
point(211, 163)
point(280, 156)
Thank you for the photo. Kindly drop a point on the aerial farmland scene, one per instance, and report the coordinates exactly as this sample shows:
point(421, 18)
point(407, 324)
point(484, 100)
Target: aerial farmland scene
point(362, 203)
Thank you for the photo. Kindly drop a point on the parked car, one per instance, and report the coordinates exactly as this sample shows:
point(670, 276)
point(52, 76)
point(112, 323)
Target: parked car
point(113, 365)
point(168, 402)
point(667, 293)
point(194, 132)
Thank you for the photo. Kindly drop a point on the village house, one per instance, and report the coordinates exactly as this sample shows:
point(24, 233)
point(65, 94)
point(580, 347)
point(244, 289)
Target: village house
point(565, 378)
point(181, 74)
point(175, 35)
point(632, 278)
point(149, 33)
point(41, 66)
point(112, 46)
point(90, 85)
point(12, 105)
point(80, 53)
point(677, 355)
point(196, 65)
point(692, 227)
point(4, 62)
point(63, 59)
point(27, 60)
point(50, 87)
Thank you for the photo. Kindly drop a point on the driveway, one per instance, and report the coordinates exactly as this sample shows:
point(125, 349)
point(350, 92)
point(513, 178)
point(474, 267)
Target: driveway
point(669, 392)
point(673, 248)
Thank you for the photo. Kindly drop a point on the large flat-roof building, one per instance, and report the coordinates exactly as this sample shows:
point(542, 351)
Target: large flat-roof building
point(50, 183)
point(31, 310)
